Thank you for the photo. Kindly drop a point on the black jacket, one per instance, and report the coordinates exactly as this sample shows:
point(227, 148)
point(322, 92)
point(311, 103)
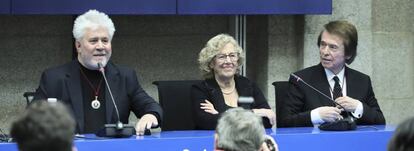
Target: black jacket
point(210, 90)
point(63, 83)
point(302, 99)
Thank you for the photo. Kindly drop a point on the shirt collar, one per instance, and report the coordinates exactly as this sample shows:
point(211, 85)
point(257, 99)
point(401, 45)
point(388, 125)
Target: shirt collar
point(330, 75)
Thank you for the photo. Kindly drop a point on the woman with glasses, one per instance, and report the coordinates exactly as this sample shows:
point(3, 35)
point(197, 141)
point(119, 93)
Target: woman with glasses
point(223, 87)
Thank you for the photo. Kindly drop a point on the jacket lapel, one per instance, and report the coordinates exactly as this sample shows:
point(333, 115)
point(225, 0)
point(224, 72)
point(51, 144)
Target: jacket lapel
point(351, 87)
point(75, 93)
point(321, 83)
point(243, 87)
point(216, 95)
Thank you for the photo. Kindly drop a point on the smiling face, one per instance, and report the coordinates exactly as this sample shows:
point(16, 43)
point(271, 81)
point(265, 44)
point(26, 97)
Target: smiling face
point(225, 63)
point(94, 47)
point(332, 52)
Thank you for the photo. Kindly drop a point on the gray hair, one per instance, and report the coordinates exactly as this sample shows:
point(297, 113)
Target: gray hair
point(92, 19)
point(212, 48)
point(241, 130)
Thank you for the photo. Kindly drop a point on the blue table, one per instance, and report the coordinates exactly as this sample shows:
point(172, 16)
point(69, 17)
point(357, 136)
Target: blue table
point(289, 139)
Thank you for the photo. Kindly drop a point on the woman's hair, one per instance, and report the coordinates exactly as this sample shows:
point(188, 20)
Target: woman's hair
point(241, 130)
point(212, 48)
point(92, 19)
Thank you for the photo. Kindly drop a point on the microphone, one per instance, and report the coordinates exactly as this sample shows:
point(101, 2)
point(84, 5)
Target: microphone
point(119, 129)
point(4, 137)
point(245, 102)
point(344, 124)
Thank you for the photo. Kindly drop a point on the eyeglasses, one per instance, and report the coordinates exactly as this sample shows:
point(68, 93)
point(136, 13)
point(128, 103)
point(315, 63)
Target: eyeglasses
point(331, 47)
point(234, 56)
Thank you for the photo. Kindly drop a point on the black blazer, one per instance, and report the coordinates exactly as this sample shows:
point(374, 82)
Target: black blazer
point(63, 83)
point(302, 99)
point(210, 90)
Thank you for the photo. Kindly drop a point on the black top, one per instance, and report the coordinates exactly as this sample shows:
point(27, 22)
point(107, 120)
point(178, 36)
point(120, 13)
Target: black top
point(94, 118)
point(210, 90)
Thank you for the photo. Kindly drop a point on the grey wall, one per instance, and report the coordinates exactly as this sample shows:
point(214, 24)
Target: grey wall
point(166, 48)
point(28, 45)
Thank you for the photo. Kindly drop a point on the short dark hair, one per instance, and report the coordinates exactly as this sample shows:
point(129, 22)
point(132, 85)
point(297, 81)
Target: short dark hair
point(44, 126)
point(403, 137)
point(347, 32)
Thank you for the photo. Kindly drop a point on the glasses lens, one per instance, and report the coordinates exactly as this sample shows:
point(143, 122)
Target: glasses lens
point(233, 56)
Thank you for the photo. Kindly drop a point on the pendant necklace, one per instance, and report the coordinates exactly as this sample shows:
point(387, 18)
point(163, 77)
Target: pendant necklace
point(95, 104)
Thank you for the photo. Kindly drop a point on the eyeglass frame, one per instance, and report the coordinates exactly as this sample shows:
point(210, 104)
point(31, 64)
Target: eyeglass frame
point(223, 57)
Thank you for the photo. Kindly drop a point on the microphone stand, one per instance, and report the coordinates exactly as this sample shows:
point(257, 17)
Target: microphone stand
point(119, 129)
point(347, 123)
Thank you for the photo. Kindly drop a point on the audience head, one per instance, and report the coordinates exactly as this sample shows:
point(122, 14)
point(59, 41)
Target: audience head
point(222, 56)
point(93, 32)
point(239, 129)
point(403, 137)
point(44, 127)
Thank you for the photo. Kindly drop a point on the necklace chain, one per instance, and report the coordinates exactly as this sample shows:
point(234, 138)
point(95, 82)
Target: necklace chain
point(96, 91)
point(228, 92)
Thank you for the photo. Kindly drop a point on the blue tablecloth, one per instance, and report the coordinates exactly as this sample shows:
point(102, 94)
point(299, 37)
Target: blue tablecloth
point(289, 139)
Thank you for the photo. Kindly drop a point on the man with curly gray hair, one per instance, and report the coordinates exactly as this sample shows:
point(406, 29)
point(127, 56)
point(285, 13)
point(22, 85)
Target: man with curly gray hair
point(219, 62)
point(80, 84)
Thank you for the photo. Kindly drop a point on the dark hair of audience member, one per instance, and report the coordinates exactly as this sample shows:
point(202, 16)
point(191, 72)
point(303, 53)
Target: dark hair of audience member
point(44, 126)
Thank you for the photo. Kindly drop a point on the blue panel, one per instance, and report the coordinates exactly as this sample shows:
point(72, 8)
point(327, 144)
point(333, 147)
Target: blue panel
point(81, 6)
point(254, 6)
point(5, 6)
point(364, 138)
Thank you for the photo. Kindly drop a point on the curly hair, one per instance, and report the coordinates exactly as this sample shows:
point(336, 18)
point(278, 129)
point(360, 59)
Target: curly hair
point(92, 19)
point(212, 48)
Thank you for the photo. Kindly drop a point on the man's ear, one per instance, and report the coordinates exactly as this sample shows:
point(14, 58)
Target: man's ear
point(77, 46)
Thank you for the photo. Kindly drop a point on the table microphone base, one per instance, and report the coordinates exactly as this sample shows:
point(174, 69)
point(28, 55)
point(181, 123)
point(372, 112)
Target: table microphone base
point(341, 125)
point(118, 130)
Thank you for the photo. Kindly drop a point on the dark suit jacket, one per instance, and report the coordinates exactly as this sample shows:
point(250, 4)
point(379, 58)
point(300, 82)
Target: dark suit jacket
point(302, 99)
point(63, 83)
point(210, 90)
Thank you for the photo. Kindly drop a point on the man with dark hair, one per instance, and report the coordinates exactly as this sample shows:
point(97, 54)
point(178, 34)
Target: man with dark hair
point(44, 127)
point(349, 88)
point(403, 137)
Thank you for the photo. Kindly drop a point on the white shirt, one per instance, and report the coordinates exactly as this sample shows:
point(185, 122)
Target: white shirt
point(315, 117)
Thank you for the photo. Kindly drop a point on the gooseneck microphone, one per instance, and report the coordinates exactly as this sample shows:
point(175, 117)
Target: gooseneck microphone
point(298, 79)
point(344, 124)
point(119, 129)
